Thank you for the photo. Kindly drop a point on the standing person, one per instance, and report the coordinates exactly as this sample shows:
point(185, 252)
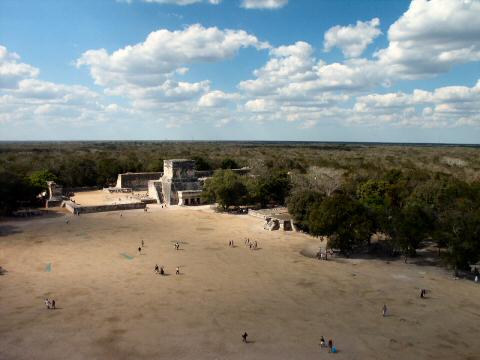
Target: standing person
point(232, 244)
point(143, 244)
point(177, 271)
point(53, 304)
point(162, 272)
point(330, 345)
point(322, 342)
point(139, 250)
point(244, 337)
point(156, 270)
point(47, 303)
point(384, 310)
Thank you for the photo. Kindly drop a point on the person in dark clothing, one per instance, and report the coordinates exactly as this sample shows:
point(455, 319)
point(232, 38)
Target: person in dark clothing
point(53, 304)
point(330, 345)
point(244, 337)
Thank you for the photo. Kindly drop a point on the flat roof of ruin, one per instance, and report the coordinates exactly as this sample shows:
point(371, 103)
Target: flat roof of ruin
point(179, 160)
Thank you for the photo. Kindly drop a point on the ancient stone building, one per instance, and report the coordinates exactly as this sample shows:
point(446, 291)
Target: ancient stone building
point(137, 181)
point(179, 184)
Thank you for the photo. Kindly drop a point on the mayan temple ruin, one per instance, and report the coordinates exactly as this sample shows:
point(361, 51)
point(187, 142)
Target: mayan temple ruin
point(179, 184)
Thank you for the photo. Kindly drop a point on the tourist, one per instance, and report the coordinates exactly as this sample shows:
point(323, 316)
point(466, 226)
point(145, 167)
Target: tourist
point(177, 246)
point(139, 250)
point(255, 246)
point(162, 272)
point(53, 304)
point(322, 342)
point(177, 271)
point(244, 337)
point(422, 293)
point(47, 303)
point(233, 244)
point(384, 310)
point(143, 244)
point(330, 345)
point(156, 270)
point(476, 278)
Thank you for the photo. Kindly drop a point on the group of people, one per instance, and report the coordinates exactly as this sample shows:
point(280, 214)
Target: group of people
point(50, 304)
point(161, 271)
point(329, 344)
point(253, 245)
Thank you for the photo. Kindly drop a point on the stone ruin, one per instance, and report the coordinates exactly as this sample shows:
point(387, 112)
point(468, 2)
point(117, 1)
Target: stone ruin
point(55, 194)
point(179, 184)
point(136, 181)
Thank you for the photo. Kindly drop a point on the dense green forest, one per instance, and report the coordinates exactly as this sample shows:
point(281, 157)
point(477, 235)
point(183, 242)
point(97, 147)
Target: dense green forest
point(410, 194)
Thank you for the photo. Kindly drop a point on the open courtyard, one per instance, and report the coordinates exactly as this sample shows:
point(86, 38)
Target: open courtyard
point(111, 304)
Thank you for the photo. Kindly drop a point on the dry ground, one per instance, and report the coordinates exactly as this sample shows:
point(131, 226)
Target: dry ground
point(111, 307)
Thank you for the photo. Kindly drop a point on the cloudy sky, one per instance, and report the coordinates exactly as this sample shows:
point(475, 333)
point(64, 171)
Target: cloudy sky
point(344, 70)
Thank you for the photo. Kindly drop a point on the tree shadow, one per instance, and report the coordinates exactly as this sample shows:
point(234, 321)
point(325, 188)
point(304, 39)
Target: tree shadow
point(6, 230)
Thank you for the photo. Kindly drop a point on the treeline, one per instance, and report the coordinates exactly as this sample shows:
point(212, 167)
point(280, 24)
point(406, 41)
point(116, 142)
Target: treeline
point(261, 189)
point(406, 207)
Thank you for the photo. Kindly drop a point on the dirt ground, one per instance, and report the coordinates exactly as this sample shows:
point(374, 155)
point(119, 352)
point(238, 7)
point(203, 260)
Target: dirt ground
point(111, 305)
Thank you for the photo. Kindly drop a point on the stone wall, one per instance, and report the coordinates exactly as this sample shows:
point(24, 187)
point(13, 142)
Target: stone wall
point(137, 181)
point(78, 209)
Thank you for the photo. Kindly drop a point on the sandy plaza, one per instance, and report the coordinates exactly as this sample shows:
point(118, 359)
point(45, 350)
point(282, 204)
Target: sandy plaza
point(111, 304)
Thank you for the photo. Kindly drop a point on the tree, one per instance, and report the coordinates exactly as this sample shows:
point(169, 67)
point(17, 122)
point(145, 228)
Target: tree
point(268, 188)
point(229, 164)
point(15, 191)
point(39, 179)
point(320, 179)
point(226, 188)
point(345, 220)
point(300, 204)
point(201, 164)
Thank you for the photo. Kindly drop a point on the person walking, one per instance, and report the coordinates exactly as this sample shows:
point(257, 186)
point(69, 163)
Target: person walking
point(330, 345)
point(322, 342)
point(156, 270)
point(53, 305)
point(384, 310)
point(139, 250)
point(47, 303)
point(244, 337)
point(177, 271)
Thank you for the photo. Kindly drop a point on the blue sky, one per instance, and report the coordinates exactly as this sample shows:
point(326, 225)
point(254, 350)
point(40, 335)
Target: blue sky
point(346, 70)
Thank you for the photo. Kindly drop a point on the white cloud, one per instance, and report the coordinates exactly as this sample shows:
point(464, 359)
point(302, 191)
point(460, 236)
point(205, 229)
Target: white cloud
point(445, 106)
point(263, 4)
point(148, 68)
point(431, 37)
point(352, 40)
point(216, 98)
point(12, 71)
